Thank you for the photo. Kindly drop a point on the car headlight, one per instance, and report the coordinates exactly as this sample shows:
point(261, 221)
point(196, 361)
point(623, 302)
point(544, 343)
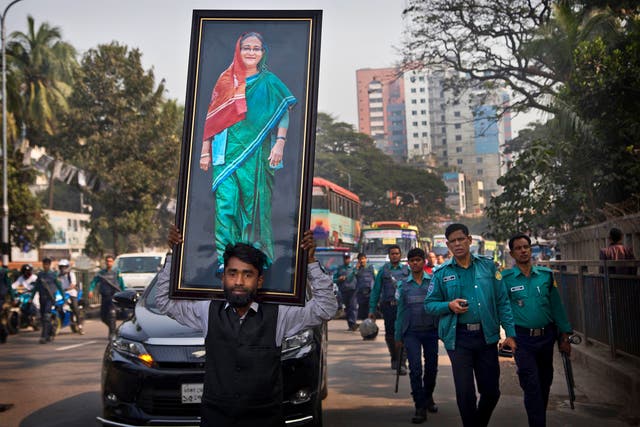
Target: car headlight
point(132, 349)
point(297, 345)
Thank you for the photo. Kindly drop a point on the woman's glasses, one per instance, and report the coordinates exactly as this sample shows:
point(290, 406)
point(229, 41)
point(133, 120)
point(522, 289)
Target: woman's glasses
point(248, 49)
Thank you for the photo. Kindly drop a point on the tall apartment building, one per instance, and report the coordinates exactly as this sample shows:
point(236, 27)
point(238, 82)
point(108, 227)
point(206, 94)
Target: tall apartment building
point(381, 109)
point(458, 134)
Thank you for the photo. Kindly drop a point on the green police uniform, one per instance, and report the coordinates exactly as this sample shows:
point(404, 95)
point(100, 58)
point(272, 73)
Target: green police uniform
point(485, 290)
point(539, 316)
point(535, 301)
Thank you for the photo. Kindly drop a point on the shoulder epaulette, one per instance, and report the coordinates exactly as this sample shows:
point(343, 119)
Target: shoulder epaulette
point(543, 268)
point(440, 267)
point(507, 272)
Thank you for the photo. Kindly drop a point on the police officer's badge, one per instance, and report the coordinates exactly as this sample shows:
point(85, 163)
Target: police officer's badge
point(430, 288)
point(498, 275)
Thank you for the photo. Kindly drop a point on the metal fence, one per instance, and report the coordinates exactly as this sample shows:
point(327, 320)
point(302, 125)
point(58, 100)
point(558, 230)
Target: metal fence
point(601, 304)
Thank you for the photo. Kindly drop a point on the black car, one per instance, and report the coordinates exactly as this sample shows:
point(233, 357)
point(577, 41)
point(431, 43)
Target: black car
point(153, 370)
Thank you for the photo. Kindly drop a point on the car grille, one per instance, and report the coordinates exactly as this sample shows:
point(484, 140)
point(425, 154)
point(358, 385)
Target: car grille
point(177, 357)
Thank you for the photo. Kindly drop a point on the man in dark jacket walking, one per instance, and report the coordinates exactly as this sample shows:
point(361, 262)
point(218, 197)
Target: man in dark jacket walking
point(46, 285)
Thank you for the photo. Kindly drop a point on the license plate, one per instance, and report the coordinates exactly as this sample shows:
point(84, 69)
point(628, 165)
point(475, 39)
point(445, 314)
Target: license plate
point(192, 393)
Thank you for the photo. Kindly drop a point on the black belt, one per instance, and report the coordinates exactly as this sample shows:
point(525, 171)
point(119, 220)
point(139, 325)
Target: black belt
point(532, 332)
point(470, 326)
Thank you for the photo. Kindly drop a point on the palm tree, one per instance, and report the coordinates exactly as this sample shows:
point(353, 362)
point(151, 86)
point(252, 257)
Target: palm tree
point(42, 66)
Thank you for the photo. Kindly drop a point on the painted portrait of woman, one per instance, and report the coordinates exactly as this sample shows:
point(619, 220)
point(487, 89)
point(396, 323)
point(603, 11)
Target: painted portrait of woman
point(248, 146)
point(245, 133)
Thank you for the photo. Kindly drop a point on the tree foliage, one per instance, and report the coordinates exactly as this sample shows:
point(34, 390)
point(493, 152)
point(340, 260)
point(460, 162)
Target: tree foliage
point(576, 59)
point(29, 227)
point(351, 160)
point(121, 129)
point(484, 41)
point(41, 67)
point(587, 158)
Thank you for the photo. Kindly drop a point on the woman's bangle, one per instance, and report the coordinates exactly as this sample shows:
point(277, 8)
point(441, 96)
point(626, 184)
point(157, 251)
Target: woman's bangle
point(204, 155)
point(281, 137)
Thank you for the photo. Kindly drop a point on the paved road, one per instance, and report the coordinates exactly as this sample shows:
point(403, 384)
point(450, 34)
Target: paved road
point(58, 385)
point(361, 391)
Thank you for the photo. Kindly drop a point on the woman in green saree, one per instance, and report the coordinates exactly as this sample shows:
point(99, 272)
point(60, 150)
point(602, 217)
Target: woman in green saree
point(244, 137)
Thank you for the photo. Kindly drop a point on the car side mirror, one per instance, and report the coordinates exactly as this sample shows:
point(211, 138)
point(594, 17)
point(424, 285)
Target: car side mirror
point(126, 299)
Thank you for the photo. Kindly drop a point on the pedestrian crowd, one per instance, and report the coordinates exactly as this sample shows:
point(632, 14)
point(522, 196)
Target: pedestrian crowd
point(464, 301)
point(44, 295)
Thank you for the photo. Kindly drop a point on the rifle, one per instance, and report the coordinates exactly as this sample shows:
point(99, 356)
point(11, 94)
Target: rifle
point(568, 374)
point(568, 370)
point(399, 367)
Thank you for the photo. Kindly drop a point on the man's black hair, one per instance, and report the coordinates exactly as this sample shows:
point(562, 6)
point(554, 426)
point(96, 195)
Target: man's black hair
point(416, 252)
point(362, 255)
point(455, 227)
point(245, 253)
point(46, 260)
point(615, 234)
point(392, 247)
point(516, 237)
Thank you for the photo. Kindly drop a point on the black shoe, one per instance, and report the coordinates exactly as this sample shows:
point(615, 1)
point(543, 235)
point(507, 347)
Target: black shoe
point(432, 407)
point(420, 416)
point(42, 340)
point(403, 370)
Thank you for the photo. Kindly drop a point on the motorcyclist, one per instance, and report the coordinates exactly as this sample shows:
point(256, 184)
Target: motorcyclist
point(69, 284)
point(24, 284)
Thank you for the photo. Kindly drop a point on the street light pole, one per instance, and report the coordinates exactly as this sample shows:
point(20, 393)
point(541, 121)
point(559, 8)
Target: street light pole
point(5, 203)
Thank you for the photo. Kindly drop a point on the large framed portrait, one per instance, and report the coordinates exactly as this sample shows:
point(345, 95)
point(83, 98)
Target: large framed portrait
point(246, 166)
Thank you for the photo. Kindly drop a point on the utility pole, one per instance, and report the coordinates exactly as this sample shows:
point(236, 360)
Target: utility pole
point(5, 204)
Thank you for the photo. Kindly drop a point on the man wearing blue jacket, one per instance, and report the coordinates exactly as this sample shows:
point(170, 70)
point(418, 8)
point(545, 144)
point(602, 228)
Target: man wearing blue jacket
point(468, 295)
point(418, 332)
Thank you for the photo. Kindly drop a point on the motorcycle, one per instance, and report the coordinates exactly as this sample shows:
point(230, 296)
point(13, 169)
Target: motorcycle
point(23, 314)
point(62, 315)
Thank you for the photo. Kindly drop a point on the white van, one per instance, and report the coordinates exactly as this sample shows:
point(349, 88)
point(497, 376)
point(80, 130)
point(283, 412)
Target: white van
point(138, 269)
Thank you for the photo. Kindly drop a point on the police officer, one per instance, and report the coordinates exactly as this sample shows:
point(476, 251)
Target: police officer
point(418, 331)
point(540, 318)
point(365, 276)
point(46, 285)
point(468, 295)
point(344, 277)
point(110, 281)
point(384, 290)
point(7, 295)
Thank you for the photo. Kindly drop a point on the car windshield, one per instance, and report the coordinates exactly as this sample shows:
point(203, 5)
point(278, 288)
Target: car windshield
point(139, 264)
point(148, 299)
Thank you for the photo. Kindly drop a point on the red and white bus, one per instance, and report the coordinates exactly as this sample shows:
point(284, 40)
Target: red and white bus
point(335, 214)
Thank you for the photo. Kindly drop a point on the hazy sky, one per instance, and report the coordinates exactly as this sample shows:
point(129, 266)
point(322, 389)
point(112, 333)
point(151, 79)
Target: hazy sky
point(355, 34)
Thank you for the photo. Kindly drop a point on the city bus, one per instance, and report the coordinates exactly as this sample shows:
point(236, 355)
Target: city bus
point(335, 215)
point(376, 239)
